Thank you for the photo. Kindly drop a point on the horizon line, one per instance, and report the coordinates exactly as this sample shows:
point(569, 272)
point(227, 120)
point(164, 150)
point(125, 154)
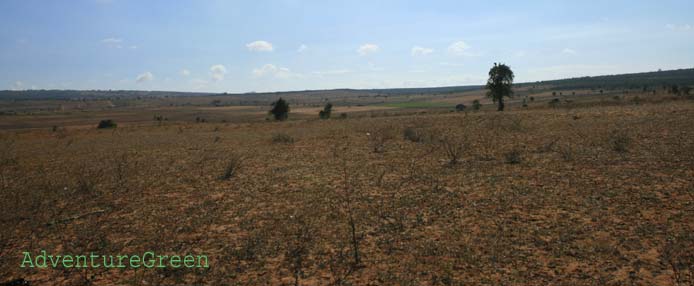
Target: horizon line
point(338, 88)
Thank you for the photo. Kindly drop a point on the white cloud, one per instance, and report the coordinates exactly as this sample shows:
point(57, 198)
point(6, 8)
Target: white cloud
point(459, 48)
point(685, 27)
point(301, 48)
point(185, 72)
point(260, 46)
point(449, 64)
point(217, 72)
point(331, 72)
point(519, 54)
point(17, 85)
point(366, 49)
point(568, 51)
point(143, 77)
point(275, 71)
point(112, 41)
point(420, 51)
point(117, 43)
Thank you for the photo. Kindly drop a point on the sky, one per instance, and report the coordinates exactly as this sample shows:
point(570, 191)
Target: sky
point(245, 46)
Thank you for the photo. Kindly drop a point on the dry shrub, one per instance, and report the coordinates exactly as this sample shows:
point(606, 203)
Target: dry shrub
point(282, 138)
point(233, 165)
point(416, 134)
point(453, 145)
point(548, 147)
point(566, 152)
point(379, 137)
point(513, 156)
point(8, 161)
point(412, 134)
point(300, 240)
point(619, 141)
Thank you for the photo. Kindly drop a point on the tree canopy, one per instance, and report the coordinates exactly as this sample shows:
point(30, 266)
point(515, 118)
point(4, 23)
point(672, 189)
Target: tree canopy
point(327, 110)
point(499, 84)
point(280, 109)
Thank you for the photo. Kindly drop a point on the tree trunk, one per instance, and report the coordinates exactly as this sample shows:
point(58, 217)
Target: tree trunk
point(501, 104)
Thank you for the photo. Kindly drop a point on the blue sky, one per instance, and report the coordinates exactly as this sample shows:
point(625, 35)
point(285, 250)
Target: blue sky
point(241, 46)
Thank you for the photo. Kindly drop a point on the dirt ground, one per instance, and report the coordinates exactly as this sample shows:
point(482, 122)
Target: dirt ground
point(599, 195)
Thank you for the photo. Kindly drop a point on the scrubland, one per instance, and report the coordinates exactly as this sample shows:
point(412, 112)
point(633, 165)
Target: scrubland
point(592, 195)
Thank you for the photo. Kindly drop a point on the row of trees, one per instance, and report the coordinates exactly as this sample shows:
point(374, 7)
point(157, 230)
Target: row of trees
point(280, 110)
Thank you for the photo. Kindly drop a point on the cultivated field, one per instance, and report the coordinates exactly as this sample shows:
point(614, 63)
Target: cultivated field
point(599, 192)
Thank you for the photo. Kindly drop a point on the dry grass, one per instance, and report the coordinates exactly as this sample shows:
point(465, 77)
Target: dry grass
point(345, 208)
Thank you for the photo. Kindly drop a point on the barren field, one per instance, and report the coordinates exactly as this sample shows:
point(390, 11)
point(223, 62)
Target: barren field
point(540, 196)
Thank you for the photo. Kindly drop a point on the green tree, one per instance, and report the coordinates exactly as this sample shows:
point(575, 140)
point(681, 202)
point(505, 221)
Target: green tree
point(476, 104)
point(499, 84)
point(280, 109)
point(327, 110)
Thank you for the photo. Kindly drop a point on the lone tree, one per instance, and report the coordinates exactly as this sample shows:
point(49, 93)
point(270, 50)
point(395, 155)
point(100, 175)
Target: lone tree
point(327, 110)
point(499, 84)
point(280, 109)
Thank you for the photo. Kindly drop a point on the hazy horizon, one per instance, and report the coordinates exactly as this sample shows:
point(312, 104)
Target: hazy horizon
point(222, 46)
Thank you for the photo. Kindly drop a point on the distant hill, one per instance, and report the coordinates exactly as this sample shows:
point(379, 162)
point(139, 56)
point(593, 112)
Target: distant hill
point(89, 94)
point(649, 80)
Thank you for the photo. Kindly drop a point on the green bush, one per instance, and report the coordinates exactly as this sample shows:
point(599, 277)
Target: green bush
point(106, 123)
point(476, 105)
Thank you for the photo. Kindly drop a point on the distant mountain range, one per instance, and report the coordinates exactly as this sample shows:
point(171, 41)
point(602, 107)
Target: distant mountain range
point(621, 81)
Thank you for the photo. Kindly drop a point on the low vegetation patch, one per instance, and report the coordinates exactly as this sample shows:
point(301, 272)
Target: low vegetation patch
point(233, 165)
point(282, 138)
point(513, 157)
point(416, 135)
point(619, 141)
point(106, 123)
